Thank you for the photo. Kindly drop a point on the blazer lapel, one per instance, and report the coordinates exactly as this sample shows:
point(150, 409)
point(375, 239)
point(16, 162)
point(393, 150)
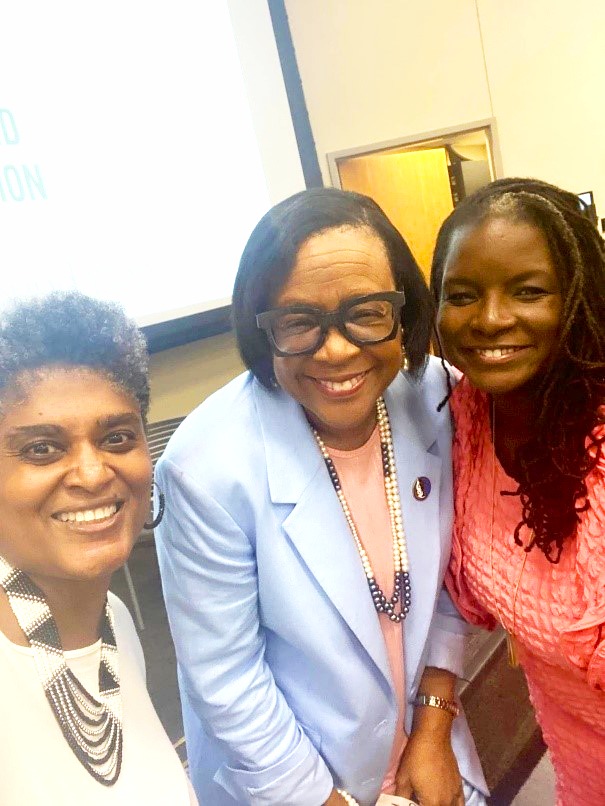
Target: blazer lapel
point(319, 531)
point(316, 525)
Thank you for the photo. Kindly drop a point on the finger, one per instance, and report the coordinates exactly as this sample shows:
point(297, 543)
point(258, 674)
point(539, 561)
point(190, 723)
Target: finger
point(460, 799)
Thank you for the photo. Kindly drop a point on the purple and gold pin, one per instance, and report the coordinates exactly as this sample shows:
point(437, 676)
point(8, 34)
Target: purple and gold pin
point(421, 488)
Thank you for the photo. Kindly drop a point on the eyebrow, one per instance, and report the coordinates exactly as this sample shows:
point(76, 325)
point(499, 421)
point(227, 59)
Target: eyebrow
point(313, 306)
point(297, 306)
point(51, 430)
point(38, 430)
point(517, 278)
point(113, 420)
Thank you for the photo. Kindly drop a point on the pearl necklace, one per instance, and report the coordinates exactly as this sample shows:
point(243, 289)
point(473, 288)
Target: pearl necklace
point(401, 586)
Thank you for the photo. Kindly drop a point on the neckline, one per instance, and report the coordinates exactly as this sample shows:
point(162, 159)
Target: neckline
point(70, 654)
point(338, 453)
point(481, 403)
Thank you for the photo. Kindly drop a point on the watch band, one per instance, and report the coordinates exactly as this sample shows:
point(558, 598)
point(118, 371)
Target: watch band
point(437, 702)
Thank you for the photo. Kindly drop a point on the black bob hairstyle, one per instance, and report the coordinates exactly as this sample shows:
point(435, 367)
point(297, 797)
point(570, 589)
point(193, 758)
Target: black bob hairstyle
point(69, 329)
point(270, 255)
point(552, 467)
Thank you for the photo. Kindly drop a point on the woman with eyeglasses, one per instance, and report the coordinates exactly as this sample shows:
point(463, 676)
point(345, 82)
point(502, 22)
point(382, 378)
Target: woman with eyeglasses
point(307, 531)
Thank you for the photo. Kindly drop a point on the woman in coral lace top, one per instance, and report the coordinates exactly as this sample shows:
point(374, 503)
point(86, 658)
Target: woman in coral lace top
point(519, 275)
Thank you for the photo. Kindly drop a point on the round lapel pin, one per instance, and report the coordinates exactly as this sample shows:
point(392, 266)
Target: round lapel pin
point(421, 488)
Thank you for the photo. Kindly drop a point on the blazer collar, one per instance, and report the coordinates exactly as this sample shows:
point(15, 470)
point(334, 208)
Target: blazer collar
point(293, 457)
point(287, 435)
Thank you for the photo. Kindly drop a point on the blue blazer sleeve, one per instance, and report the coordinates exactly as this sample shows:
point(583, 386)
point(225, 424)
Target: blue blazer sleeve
point(211, 589)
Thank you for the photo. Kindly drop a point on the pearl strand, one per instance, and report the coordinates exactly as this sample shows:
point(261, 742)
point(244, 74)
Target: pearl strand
point(348, 798)
point(401, 586)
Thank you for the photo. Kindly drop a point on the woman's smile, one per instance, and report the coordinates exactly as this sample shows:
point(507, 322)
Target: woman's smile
point(94, 519)
point(497, 355)
point(341, 387)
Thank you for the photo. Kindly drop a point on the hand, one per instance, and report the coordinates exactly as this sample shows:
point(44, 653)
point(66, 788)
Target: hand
point(428, 771)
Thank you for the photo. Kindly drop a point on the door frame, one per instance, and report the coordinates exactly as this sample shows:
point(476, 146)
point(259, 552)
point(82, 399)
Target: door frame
point(438, 138)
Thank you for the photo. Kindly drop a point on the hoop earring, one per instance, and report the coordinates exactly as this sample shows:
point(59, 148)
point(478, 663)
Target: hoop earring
point(405, 364)
point(161, 507)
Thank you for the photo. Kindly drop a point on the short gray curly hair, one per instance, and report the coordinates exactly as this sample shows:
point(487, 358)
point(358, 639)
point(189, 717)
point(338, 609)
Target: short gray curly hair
point(67, 328)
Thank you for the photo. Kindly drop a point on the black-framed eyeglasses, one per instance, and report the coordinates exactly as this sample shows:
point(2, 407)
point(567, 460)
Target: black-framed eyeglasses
point(302, 329)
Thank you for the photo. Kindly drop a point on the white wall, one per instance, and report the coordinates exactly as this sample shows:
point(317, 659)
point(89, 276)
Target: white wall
point(375, 70)
point(546, 66)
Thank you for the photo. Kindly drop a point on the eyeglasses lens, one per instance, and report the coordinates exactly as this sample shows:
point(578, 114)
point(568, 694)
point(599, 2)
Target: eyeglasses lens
point(370, 321)
point(296, 332)
point(366, 322)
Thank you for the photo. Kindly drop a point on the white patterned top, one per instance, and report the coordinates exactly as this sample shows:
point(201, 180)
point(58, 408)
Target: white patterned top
point(38, 766)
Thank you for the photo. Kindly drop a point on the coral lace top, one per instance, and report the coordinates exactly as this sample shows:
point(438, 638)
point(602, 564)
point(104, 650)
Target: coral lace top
point(558, 611)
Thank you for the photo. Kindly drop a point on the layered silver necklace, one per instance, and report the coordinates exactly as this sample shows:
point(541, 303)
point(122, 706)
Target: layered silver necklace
point(92, 728)
point(397, 606)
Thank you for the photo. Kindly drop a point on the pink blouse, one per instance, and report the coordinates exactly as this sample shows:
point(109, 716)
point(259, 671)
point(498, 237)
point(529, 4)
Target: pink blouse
point(557, 612)
point(362, 481)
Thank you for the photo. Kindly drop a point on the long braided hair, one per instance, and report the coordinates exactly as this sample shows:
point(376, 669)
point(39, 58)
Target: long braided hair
point(552, 466)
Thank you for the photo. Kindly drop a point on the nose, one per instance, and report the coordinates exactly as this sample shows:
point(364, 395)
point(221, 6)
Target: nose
point(90, 470)
point(336, 348)
point(493, 314)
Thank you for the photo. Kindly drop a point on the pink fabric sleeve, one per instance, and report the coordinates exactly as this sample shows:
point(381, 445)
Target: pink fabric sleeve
point(465, 602)
point(584, 641)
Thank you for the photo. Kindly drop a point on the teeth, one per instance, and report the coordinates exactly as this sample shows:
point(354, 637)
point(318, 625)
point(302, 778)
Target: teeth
point(498, 353)
point(340, 386)
point(86, 515)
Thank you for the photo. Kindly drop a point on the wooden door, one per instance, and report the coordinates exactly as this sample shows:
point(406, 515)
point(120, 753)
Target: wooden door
point(413, 189)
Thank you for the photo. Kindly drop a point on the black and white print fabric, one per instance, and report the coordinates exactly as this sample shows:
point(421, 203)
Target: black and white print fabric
point(92, 727)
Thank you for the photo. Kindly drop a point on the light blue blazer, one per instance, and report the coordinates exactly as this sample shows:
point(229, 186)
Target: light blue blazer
point(284, 676)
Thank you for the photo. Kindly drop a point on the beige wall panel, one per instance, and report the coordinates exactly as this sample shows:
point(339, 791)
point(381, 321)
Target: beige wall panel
point(546, 65)
point(412, 188)
point(182, 377)
point(374, 70)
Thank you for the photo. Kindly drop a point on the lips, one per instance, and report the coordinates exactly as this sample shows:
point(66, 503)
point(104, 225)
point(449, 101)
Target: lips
point(89, 515)
point(496, 353)
point(342, 386)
